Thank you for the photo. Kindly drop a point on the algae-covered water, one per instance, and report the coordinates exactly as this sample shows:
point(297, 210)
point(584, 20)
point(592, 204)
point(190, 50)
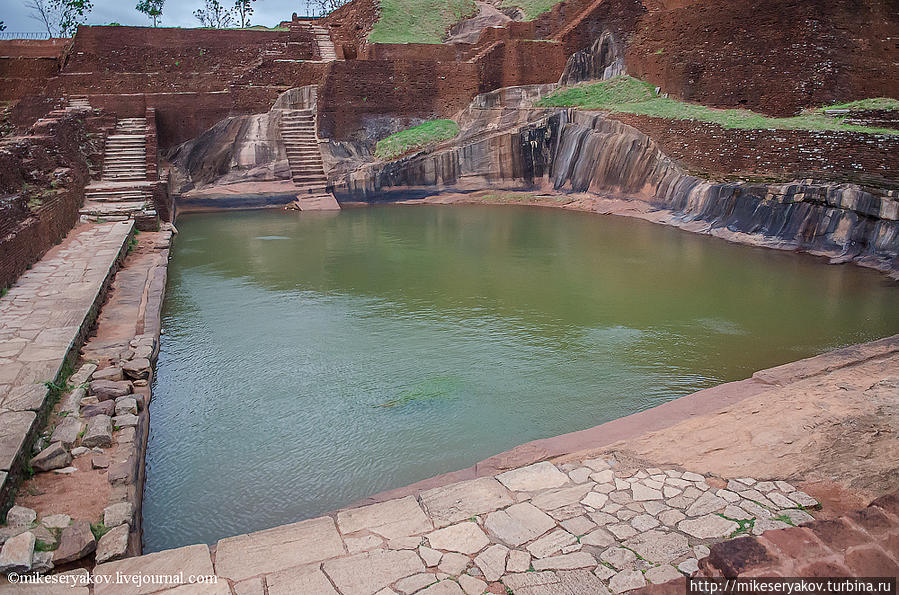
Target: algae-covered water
point(311, 360)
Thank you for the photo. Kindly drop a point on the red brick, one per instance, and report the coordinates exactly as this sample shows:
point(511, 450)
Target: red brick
point(838, 534)
point(871, 561)
point(733, 558)
point(798, 543)
point(872, 520)
point(823, 569)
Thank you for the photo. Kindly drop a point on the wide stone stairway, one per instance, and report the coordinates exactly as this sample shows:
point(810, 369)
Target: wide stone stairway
point(304, 156)
point(123, 191)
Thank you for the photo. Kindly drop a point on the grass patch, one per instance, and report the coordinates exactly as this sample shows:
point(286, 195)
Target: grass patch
point(629, 95)
point(785, 519)
point(41, 546)
point(416, 137)
point(532, 8)
point(418, 21)
point(878, 103)
point(745, 527)
point(99, 529)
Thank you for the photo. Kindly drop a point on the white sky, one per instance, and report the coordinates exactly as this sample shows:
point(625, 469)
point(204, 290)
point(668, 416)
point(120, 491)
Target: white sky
point(176, 13)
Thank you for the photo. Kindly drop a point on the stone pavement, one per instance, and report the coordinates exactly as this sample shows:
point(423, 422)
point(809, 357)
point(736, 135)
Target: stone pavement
point(43, 317)
point(595, 526)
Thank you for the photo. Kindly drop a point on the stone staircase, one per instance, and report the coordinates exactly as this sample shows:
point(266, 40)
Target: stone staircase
point(126, 151)
point(123, 191)
point(78, 104)
point(320, 35)
point(306, 166)
point(324, 43)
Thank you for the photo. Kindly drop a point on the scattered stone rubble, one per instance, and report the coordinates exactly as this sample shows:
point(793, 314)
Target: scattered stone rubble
point(101, 411)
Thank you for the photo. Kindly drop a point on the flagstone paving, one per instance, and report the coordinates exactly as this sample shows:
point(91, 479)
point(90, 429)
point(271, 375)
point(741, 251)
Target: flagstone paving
point(42, 317)
point(597, 526)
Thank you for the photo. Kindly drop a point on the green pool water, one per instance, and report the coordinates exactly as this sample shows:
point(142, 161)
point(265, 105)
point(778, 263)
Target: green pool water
point(311, 360)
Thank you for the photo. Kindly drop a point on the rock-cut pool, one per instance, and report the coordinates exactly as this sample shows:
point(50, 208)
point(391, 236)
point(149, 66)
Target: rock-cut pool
point(312, 360)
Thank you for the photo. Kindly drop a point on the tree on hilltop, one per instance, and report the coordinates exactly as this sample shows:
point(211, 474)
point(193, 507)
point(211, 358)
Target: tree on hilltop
point(2, 26)
point(60, 17)
point(243, 10)
point(151, 8)
point(214, 16)
point(326, 7)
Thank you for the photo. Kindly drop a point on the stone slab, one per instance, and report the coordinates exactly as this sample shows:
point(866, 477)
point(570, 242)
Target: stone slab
point(305, 579)
point(463, 500)
point(465, 537)
point(190, 560)
point(369, 572)
point(539, 476)
point(277, 549)
point(14, 428)
point(395, 518)
point(519, 523)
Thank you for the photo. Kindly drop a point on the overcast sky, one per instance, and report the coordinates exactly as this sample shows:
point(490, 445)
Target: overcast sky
point(176, 13)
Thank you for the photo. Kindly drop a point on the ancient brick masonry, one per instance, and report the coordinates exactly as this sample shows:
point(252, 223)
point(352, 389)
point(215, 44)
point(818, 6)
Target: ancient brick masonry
point(27, 231)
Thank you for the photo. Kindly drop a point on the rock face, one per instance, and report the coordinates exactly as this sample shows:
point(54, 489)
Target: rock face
point(600, 61)
point(589, 152)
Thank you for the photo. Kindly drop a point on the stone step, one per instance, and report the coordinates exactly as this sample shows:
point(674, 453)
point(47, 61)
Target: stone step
point(118, 208)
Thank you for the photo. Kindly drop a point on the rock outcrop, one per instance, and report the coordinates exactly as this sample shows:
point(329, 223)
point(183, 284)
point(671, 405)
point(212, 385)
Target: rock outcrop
point(602, 60)
point(572, 151)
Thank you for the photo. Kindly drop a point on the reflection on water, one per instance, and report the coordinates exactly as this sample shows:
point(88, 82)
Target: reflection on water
point(308, 362)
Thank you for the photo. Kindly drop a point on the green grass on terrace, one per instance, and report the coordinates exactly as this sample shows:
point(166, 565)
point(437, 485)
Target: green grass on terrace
point(418, 21)
point(878, 103)
point(532, 8)
point(629, 95)
point(413, 138)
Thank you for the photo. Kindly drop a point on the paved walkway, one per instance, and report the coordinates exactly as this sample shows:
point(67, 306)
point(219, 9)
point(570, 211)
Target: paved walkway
point(592, 526)
point(42, 317)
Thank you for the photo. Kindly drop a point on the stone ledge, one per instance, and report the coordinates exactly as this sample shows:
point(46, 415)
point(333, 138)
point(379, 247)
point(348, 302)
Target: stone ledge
point(66, 289)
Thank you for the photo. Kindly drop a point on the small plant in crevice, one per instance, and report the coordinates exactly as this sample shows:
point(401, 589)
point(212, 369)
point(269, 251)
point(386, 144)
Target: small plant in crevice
point(783, 518)
point(99, 529)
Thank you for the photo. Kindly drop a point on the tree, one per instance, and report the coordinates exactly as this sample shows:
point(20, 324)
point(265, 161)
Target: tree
point(215, 16)
point(325, 7)
point(151, 8)
point(2, 26)
point(243, 10)
point(60, 17)
point(41, 12)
